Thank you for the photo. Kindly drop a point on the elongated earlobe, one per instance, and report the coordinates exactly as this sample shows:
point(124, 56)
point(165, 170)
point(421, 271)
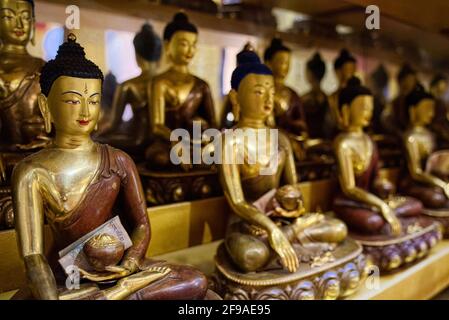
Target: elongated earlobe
point(235, 105)
point(43, 107)
point(344, 116)
point(33, 33)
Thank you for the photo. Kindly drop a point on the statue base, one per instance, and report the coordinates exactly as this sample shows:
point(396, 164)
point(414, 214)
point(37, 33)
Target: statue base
point(330, 279)
point(165, 187)
point(441, 216)
point(392, 254)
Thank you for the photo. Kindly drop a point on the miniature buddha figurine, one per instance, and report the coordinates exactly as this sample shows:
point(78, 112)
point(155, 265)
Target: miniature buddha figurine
point(345, 67)
point(315, 101)
point(420, 181)
point(440, 123)
point(22, 129)
point(74, 184)
point(133, 135)
point(366, 203)
point(178, 98)
point(395, 117)
point(255, 236)
point(288, 110)
point(228, 120)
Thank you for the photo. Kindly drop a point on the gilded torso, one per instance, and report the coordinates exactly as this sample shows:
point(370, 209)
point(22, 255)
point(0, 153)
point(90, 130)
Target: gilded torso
point(19, 88)
point(63, 176)
point(185, 98)
point(256, 175)
point(422, 139)
point(359, 148)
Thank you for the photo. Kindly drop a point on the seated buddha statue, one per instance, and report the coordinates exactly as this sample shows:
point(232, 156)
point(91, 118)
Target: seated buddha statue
point(288, 109)
point(440, 124)
point(75, 185)
point(315, 100)
point(21, 125)
point(270, 229)
point(345, 67)
point(367, 203)
point(420, 180)
point(178, 97)
point(131, 136)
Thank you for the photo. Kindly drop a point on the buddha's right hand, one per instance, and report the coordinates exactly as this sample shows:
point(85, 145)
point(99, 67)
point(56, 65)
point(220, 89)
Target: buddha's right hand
point(392, 219)
point(284, 249)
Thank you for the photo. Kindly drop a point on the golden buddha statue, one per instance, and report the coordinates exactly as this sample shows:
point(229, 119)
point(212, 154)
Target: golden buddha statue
point(178, 98)
point(367, 203)
point(73, 184)
point(345, 67)
point(440, 124)
point(22, 128)
point(270, 240)
point(132, 136)
point(288, 109)
point(422, 179)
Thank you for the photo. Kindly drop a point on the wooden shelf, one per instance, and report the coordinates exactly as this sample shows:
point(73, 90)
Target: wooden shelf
point(421, 281)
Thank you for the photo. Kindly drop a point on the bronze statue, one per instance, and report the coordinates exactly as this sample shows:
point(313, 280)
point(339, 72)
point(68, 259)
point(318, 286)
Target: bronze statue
point(422, 179)
point(367, 203)
point(22, 127)
point(271, 240)
point(315, 101)
point(288, 109)
point(132, 136)
point(345, 67)
point(74, 184)
point(395, 116)
point(178, 98)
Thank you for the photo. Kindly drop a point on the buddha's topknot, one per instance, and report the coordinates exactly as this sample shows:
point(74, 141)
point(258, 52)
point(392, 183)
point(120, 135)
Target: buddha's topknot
point(71, 62)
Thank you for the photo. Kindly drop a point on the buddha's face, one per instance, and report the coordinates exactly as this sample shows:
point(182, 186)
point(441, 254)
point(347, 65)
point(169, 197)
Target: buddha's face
point(361, 111)
point(440, 88)
point(280, 64)
point(181, 47)
point(408, 83)
point(423, 112)
point(255, 96)
point(347, 71)
point(16, 22)
point(73, 105)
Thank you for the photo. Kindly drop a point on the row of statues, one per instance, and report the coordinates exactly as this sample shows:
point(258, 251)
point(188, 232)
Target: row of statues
point(69, 177)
